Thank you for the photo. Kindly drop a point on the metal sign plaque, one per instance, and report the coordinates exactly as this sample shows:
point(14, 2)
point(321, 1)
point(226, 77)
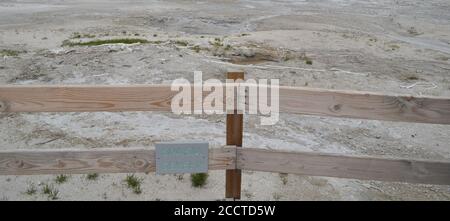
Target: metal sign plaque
point(181, 158)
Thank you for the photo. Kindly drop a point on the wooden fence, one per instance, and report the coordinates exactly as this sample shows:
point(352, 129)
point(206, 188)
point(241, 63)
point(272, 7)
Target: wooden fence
point(232, 158)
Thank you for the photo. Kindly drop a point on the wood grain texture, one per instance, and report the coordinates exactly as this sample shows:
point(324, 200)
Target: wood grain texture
point(85, 98)
point(349, 104)
point(364, 168)
point(121, 160)
point(364, 105)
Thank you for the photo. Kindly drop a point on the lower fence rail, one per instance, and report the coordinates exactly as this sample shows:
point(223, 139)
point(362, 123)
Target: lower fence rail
point(127, 160)
point(101, 160)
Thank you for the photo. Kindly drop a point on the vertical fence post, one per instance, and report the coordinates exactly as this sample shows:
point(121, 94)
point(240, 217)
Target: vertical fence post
point(234, 137)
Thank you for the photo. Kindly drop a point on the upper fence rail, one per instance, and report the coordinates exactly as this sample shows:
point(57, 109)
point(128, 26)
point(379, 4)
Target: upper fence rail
point(297, 100)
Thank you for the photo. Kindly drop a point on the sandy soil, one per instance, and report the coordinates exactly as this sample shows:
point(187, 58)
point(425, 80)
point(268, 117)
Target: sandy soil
point(386, 46)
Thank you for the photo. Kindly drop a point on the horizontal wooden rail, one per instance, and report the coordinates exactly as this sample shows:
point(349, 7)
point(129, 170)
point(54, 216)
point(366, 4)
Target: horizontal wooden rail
point(120, 160)
point(126, 160)
point(350, 104)
point(365, 168)
point(85, 98)
point(365, 105)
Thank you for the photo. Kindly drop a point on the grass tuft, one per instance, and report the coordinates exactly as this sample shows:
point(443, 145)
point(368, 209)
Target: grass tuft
point(92, 176)
point(199, 179)
point(196, 48)
point(50, 191)
point(134, 183)
point(61, 179)
point(10, 53)
point(181, 43)
point(31, 190)
point(284, 178)
point(217, 42)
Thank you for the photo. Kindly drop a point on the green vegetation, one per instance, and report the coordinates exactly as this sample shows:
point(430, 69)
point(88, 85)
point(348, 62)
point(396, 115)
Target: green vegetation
point(308, 61)
point(50, 191)
point(92, 176)
point(134, 183)
point(284, 178)
point(156, 42)
point(196, 48)
point(217, 42)
point(199, 179)
point(11, 53)
point(61, 179)
point(181, 43)
point(31, 190)
point(108, 41)
point(180, 177)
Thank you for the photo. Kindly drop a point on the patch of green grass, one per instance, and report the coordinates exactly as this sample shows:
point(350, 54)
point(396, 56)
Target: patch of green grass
point(89, 36)
point(308, 62)
point(10, 53)
point(134, 183)
point(217, 42)
point(284, 178)
point(180, 177)
point(46, 189)
point(61, 179)
point(31, 190)
point(199, 179)
point(103, 42)
point(75, 35)
point(92, 176)
point(50, 191)
point(196, 48)
point(288, 56)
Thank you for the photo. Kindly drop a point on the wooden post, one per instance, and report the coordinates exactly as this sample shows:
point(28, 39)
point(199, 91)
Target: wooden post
point(234, 137)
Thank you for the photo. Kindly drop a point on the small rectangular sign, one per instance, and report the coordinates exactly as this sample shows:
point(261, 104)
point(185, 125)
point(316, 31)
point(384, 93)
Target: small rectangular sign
point(181, 157)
